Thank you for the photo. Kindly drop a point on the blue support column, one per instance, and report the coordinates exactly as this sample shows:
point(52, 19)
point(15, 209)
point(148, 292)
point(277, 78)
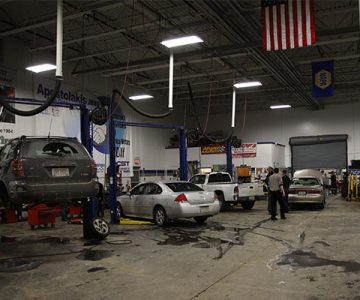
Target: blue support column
point(88, 204)
point(112, 172)
point(183, 155)
point(229, 166)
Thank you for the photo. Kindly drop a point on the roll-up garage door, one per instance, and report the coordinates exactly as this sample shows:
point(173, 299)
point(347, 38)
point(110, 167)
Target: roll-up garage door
point(319, 152)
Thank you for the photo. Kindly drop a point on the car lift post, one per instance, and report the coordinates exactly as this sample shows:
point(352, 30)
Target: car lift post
point(88, 204)
point(112, 171)
point(182, 142)
point(183, 154)
point(229, 166)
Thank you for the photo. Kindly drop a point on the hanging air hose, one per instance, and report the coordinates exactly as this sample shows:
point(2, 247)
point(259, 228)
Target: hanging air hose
point(52, 97)
point(139, 111)
point(211, 139)
point(37, 110)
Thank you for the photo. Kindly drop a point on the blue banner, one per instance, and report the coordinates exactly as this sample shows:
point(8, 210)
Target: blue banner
point(323, 78)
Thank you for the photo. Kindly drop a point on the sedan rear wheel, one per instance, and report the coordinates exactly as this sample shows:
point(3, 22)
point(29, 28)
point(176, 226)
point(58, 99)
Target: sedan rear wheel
point(119, 211)
point(200, 220)
point(160, 216)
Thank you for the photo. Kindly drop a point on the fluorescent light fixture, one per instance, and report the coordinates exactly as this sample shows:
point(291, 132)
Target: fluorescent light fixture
point(280, 106)
point(186, 40)
point(247, 84)
point(141, 97)
point(41, 68)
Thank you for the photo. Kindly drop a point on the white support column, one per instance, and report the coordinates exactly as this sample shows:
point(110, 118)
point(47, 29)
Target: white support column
point(171, 79)
point(59, 39)
point(233, 108)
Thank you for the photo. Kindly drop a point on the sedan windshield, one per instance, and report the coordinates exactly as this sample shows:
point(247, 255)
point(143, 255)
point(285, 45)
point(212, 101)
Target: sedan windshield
point(183, 187)
point(305, 181)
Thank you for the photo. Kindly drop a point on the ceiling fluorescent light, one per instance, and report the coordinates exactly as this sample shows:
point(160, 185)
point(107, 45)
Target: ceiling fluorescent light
point(247, 84)
point(41, 68)
point(141, 97)
point(280, 106)
point(187, 40)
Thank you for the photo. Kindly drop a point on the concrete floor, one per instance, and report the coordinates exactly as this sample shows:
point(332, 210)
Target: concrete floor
point(311, 255)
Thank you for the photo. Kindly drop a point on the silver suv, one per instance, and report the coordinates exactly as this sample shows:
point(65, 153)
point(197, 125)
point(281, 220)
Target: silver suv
point(47, 170)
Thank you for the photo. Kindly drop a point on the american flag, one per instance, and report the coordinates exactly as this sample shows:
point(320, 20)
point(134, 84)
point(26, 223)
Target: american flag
point(287, 24)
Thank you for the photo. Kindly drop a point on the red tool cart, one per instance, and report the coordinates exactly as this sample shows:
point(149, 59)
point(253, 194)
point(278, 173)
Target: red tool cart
point(40, 214)
point(8, 216)
point(75, 211)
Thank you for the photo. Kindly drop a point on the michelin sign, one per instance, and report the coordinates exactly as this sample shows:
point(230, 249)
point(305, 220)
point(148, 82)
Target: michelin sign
point(323, 79)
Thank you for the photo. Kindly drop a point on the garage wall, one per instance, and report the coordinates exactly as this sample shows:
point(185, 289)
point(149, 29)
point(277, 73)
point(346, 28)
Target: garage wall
point(267, 154)
point(279, 126)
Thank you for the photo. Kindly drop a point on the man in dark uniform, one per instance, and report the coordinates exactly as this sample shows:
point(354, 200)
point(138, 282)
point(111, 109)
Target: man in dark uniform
point(286, 183)
point(277, 193)
point(333, 183)
point(270, 171)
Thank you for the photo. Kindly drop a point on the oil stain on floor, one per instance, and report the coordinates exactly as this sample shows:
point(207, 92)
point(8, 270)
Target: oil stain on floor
point(180, 237)
point(94, 255)
point(299, 258)
point(18, 265)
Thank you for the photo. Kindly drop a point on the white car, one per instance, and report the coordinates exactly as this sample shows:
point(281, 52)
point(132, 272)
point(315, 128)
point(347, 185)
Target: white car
point(165, 201)
point(307, 187)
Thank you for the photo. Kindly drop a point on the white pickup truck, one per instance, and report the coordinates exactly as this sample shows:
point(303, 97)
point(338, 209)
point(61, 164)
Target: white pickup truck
point(225, 189)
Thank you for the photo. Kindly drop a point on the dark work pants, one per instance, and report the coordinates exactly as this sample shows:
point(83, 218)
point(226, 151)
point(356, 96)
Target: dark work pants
point(286, 201)
point(269, 201)
point(276, 197)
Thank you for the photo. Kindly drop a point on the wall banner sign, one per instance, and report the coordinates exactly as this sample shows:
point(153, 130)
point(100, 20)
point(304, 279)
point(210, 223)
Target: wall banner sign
point(323, 78)
point(245, 150)
point(213, 149)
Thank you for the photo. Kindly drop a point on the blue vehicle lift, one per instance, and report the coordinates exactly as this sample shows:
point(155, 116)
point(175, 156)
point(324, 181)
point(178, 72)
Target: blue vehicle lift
point(112, 167)
point(88, 204)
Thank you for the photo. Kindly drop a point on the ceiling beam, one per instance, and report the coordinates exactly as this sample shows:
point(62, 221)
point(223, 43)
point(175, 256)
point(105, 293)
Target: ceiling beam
point(52, 20)
point(217, 52)
point(161, 66)
point(151, 24)
point(213, 52)
point(92, 37)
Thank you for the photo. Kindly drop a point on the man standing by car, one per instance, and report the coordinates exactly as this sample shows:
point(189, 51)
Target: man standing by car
point(333, 183)
point(286, 182)
point(270, 171)
point(276, 194)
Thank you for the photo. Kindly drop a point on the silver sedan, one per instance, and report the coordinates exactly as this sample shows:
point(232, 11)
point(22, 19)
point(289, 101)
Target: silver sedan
point(165, 201)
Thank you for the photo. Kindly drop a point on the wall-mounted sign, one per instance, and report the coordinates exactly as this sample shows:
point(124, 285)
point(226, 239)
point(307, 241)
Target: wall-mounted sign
point(213, 149)
point(246, 150)
point(137, 161)
point(6, 116)
point(323, 78)
point(7, 76)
